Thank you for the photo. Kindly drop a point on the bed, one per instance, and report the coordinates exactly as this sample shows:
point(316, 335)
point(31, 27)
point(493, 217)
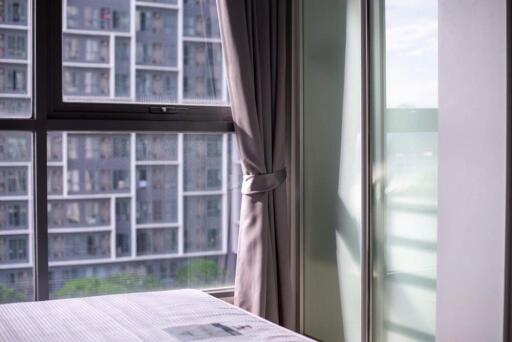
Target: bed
point(178, 315)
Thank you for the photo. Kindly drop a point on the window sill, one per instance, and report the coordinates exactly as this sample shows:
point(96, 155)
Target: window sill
point(226, 294)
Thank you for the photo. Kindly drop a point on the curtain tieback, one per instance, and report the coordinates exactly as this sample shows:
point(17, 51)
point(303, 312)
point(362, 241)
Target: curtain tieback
point(263, 182)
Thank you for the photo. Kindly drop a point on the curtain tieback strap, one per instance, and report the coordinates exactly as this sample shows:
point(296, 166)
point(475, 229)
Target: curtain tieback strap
point(255, 184)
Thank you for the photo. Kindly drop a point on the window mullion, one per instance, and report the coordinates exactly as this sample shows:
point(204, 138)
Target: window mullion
point(41, 94)
point(41, 220)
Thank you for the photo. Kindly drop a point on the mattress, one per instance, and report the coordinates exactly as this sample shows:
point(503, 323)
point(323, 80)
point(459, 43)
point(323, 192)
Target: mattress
point(178, 315)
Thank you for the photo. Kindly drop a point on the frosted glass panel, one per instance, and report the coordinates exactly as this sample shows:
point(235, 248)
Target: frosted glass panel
point(332, 169)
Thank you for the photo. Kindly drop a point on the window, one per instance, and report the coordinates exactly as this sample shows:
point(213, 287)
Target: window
point(154, 236)
point(133, 172)
point(202, 223)
point(404, 134)
point(15, 59)
point(16, 225)
point(154, 61)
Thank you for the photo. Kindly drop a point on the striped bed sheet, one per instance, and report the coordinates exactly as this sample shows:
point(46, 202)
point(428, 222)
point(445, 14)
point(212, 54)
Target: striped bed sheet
point(178, 315)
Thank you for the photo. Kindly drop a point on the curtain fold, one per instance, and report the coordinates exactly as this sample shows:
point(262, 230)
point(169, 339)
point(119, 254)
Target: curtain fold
point(256, 42)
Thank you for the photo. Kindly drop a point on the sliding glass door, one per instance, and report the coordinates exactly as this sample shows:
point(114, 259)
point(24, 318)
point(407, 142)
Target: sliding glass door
point(403, 101)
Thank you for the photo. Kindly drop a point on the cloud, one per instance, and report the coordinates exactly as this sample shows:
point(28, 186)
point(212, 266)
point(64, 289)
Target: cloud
point(411, 37)
point(411, 53)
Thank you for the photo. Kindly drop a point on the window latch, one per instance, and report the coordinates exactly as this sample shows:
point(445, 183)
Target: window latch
point(166, 110)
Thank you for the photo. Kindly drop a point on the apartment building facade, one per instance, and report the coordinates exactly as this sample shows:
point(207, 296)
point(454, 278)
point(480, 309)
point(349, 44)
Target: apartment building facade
point(121, 203)
point(164, 51)
point(145, 205)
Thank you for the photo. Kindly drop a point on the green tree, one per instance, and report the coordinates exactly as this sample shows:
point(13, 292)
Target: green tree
point(9, 295)
point(120, 283)
point(199, 272)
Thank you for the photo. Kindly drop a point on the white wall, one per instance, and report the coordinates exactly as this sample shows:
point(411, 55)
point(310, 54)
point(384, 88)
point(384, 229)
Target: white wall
point(472, 138)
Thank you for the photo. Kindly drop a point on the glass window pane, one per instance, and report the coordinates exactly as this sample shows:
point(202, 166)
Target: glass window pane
point(203, 162)
point(15, 59)
point(405, 169)
point(122, 218)
point(159, 51)
point(16, 220)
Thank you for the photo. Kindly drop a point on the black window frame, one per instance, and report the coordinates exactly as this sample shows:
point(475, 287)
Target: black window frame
point(51, 113)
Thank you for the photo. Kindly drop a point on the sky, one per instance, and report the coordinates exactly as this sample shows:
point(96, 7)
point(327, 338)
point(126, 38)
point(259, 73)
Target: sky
point(411, 53)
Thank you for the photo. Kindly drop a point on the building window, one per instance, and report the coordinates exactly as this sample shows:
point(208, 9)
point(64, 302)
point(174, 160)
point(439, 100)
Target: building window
point(157, 241)
point(213, 178)
point(15, 59)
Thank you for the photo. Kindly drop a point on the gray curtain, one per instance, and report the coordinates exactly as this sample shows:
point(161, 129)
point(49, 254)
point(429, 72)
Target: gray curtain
point(256, 40)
